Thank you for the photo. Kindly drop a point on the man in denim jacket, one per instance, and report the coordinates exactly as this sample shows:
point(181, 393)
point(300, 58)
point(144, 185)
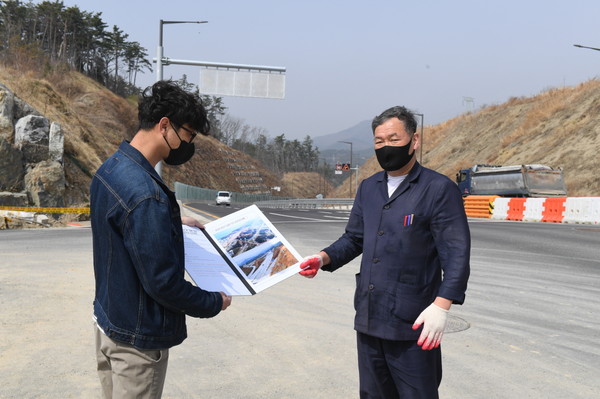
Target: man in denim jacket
point(141, 295)
point(409, 224)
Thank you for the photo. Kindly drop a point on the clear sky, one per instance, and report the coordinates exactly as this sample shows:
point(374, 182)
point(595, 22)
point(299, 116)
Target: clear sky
point(349, 60)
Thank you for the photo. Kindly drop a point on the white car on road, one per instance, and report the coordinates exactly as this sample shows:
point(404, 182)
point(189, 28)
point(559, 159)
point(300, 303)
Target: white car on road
point(223, 197)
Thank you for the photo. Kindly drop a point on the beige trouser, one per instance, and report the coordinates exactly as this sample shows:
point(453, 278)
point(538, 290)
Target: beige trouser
point(128, 372)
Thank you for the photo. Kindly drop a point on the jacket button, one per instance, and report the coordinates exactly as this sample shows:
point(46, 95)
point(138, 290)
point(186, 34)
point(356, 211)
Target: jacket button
point(375, 260)
point(371, 286)
point(386, 207)
point(380, 233)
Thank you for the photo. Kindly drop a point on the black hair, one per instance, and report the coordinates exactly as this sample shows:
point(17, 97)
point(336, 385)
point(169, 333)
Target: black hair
point(166, 98)
point(402, 113)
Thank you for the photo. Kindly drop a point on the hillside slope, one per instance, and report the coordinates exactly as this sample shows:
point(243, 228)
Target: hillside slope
point(95, 121)
point(559, 127)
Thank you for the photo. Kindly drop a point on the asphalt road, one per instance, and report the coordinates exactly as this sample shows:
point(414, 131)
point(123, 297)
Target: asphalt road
point(528, 329)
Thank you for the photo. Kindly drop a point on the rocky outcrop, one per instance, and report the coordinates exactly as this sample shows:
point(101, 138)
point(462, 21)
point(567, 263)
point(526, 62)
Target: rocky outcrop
point(31, 155)
point(45, 184)
point(11, 167)
point(7, 104)
point(32, 135)
point(56, 143)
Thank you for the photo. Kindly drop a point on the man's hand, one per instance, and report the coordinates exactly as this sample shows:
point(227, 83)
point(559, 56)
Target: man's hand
point(226, 300)
point(434, 320)
point(188, 221)
point(311, 265)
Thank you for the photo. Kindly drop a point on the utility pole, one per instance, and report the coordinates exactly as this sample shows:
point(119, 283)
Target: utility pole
point(591, 48)
point(422, 138)
point(160, 61)
point(226, 72)
point(349, 142)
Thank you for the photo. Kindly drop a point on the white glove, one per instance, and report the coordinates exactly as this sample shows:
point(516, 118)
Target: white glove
point(434, 320)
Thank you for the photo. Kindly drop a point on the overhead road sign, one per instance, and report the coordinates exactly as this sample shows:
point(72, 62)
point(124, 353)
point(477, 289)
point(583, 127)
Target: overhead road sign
point(239, 80)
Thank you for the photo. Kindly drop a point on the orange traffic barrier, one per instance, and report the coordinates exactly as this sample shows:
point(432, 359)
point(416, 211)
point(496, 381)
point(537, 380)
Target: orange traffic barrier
point(479, 206)
point(516, 208)
point(554, 209)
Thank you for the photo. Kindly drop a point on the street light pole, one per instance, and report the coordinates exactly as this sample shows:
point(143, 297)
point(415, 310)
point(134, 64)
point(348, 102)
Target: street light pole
point(159, 50)
point(349, 142)
point(591, 48)
point(160, 62)
point(421, 151)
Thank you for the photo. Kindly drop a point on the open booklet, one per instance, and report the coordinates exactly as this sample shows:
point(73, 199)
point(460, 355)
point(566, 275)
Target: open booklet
point(240, 254)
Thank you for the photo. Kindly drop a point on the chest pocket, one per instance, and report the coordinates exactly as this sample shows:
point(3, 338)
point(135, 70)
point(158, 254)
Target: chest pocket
point(404, 231)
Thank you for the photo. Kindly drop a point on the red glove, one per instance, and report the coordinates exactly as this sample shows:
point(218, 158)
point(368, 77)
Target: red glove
point(311, 265)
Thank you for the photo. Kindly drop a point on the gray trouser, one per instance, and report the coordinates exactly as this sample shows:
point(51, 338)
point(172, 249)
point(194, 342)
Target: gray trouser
point(129, 372)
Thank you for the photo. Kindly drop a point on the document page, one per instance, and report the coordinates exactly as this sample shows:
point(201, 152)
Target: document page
point(207, 268)
point(246, 243)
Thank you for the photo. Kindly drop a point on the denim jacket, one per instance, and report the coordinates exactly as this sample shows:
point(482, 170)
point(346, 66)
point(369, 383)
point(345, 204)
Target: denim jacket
point(141, 294)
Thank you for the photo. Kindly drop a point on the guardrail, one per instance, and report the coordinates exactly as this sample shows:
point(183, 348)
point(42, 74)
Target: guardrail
point(187, 192)
point(302, 203)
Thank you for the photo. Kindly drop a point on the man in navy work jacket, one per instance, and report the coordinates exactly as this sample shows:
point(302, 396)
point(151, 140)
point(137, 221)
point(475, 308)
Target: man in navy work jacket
point(409, 224)
point(141, 295)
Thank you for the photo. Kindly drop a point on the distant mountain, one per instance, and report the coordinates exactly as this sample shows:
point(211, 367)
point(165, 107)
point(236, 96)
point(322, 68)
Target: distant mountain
point(333, 151)
point(360, 135)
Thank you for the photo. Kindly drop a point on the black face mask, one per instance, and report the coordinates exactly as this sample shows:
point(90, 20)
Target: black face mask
point(181, 154)
point(392, 158)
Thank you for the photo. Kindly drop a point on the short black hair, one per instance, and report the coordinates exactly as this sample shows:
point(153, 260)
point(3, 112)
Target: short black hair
point(166, 98)
point(402, 113)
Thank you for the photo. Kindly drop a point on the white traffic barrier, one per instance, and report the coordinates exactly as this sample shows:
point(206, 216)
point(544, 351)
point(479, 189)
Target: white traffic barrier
point(500, 210)
point(592, 211)
point(534, 208)
point(576, 210)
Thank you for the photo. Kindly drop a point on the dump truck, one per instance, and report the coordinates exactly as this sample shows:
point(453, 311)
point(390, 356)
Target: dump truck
point(512, 181)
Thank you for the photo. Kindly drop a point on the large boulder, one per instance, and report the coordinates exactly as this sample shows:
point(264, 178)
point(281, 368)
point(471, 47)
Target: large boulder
point(56, 143)
point(32, 136)
point(45, 182)
point(7, 106)
point(31, 169)
point(11, 167)
point(23, 109)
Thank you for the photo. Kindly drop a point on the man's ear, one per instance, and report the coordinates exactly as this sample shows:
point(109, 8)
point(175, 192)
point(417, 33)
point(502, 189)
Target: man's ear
point(416, 141)
point(163, 125)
